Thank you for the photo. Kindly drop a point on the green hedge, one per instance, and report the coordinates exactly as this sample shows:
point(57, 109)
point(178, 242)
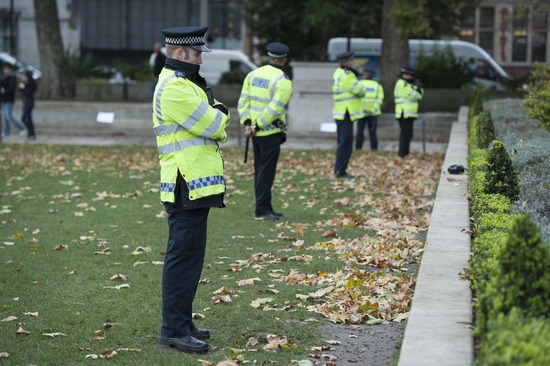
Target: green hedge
point(510, 266)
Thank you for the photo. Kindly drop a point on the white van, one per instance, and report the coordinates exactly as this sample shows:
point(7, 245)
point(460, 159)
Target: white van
point(368, 52)
point(219, 61)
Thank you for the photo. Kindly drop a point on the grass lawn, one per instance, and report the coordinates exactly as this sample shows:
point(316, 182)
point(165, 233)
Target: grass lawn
point(82, 235)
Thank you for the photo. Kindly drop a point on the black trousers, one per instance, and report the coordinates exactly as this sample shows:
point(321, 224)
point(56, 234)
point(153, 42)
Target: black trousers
point(27, 120)
point(405, 136)
point(182, 267)
point(344, 129)
point(372, 124)
point(266, 154)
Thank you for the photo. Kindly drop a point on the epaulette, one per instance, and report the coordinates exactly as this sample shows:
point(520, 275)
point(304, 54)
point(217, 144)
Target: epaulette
point(286, 76)
point(180, 74)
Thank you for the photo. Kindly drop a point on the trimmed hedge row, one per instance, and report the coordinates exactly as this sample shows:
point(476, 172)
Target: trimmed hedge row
point(510, 265)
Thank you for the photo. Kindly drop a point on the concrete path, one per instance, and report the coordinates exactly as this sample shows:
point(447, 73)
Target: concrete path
point(293, 142)
point(438, 331)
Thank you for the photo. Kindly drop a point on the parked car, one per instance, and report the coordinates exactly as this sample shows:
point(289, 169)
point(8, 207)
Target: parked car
point(19, 66)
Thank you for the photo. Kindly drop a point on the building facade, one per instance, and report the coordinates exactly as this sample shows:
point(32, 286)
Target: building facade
point(117, 29)
point(515, 35)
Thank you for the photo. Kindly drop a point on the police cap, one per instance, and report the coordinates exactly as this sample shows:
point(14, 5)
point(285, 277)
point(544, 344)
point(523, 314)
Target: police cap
point(277, 50)
point(406, 70)
point(369, 71)
point(187, 36)
point(344, 56)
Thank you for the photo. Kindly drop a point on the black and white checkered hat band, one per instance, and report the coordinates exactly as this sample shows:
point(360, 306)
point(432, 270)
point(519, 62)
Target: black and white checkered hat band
point(191, 41)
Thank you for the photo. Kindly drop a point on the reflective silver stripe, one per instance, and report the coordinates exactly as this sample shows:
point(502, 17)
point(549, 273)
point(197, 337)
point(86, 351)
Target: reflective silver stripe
point(259, 99)
point(198, 114)
point(244, 114)
point(158, 112)
point(256, 108)
point(183, 144)
point(344, 99)
point(163, 129)
point(272, 91)
point(278, 103)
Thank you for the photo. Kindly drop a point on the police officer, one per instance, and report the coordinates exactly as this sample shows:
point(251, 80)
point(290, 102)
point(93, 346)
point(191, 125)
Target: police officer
point(347, 93)
point(407, 93)
point(372, 106)
point(189, 124)
point(262, 104)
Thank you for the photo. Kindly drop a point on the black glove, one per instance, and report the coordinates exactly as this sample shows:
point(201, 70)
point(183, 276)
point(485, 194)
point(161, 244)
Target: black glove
point(210, 95)
point(248, 122)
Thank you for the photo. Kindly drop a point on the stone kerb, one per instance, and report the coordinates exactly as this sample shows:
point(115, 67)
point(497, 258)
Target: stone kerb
point(438, 329)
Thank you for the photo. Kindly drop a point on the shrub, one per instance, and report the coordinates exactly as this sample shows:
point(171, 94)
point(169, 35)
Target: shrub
point(537, 107)
point(522, 279)
point(486, 203)
point(477, 160)
point(494, 221)
point(536, 103)
point(232, 77)
point(441, 69)
point(485, 129)
point(477, 99)
point(513, 339)
point(501, 176)
point(486, 247)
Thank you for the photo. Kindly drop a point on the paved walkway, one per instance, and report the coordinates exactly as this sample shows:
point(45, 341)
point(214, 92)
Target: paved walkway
point(438, 331)
point(328, 143)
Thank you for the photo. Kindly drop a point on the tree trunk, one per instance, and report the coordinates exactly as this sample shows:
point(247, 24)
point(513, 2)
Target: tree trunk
point(50, 47)
point(395, 53)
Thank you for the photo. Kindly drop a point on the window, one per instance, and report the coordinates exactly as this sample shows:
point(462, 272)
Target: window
point(519, 47)
point(487, 18)
point(467, 17)
point(538, 47)
point(5, 40)
point(540, 20)
point(486, 42)
point(520, 18)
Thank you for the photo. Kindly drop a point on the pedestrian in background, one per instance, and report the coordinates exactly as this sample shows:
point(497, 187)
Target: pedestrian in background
point(28, 87)
point(8, 86)
point(189, 125)
point(372, 106)
point(156, 61)
point(347, 93)
point(407, 93)
point(262, 110)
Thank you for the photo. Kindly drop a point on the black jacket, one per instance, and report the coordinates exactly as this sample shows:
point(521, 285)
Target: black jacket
point(8, 85)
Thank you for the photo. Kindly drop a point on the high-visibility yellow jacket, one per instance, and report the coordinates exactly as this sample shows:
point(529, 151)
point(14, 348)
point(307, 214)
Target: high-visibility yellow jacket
point(374, 97)
point(263, 100)
point(347, 93)
point(406, 97)
point(187, 130)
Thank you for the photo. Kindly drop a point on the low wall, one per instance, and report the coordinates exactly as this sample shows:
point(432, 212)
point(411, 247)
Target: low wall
point(134, 120)
point(139, 92)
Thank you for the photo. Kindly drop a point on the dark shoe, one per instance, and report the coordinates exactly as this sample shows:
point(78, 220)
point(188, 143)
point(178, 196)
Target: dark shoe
point(344, 176)
point(268, 216)
point(185, 344)
point(277, 214)
point(200, 333)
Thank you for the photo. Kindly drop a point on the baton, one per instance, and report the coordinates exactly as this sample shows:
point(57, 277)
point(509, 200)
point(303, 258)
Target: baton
point(246, 149)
